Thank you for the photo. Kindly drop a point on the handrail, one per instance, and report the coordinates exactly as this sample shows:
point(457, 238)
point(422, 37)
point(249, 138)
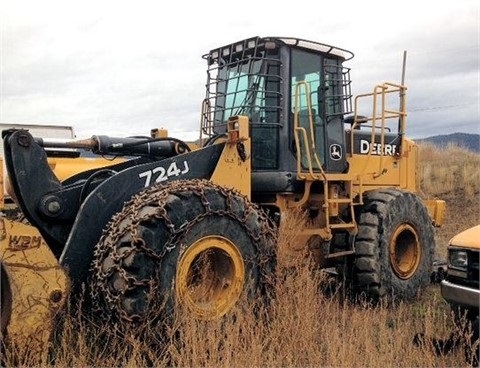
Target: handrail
point(380, 114)
point(309, 144)
point(300, 172)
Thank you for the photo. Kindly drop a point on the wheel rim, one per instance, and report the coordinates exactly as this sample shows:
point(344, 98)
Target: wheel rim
point(210, 277)
point(405, 251)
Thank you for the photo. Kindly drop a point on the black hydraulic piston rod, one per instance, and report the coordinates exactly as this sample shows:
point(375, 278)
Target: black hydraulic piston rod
point(105, 145)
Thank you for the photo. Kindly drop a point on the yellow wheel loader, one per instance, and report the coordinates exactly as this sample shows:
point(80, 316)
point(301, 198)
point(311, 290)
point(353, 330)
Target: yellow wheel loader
point(176, 224)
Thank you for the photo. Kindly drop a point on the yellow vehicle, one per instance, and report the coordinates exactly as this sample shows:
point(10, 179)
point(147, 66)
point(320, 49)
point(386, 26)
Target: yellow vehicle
point(461, 285)
point(280, 131)
point(460, 288)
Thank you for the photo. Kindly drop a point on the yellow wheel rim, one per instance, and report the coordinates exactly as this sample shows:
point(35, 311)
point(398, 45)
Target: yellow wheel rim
point(405, 251)
point(210, 277)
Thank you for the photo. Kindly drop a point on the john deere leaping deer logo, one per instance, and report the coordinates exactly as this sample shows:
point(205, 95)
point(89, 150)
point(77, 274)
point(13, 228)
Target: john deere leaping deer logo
point(336, 152)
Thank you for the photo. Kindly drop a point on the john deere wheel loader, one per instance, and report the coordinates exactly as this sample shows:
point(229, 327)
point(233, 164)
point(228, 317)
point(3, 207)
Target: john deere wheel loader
point(280, 131)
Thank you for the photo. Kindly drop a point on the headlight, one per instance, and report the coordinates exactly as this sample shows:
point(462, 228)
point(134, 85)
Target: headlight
point(458, 259)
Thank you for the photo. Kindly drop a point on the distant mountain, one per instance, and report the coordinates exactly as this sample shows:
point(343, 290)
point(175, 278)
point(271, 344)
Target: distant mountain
point(468, 141)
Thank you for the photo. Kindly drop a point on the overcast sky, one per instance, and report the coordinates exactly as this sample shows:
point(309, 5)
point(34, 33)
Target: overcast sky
point(124, 67)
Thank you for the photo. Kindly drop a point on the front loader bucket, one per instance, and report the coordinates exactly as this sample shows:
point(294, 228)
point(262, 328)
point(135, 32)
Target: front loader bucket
point(34, 288)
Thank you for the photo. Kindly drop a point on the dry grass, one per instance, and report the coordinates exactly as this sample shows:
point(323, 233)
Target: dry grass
point(303, 327)
point(450, 170)
point(452, 174)
point(307, 324)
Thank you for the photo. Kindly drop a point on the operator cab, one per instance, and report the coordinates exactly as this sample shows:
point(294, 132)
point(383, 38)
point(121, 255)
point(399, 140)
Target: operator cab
point(295, 93)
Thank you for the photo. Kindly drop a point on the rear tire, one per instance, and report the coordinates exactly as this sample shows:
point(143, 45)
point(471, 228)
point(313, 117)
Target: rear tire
point(188, 242)
point(394, 245)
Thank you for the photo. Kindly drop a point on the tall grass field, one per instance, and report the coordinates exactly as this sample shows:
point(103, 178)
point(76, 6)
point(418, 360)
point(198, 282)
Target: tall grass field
point(309, 322)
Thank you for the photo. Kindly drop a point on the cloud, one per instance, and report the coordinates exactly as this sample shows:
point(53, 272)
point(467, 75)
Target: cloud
point(125, 67)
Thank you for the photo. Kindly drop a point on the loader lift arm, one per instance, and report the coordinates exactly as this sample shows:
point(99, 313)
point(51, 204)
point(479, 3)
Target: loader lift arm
point(70, 217)
point(47, 203)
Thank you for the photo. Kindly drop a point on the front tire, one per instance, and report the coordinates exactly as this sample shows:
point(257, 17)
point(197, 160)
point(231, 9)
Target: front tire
point(191, 243)
point(394, 245)
point(5, 302)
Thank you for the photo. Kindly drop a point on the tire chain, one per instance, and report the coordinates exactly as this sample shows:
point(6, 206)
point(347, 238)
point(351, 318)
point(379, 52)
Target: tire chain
point(132, 213)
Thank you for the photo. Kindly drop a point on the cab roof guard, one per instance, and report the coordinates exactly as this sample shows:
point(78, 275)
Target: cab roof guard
point(253, 43)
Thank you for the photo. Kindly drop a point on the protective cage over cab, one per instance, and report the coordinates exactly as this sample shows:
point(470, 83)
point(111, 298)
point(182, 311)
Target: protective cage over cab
point(281, 83)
